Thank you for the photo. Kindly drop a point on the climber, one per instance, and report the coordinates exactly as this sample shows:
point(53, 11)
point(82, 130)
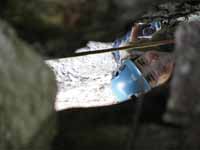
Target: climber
point(139, 72)
point(138, 75)
point(138, 31)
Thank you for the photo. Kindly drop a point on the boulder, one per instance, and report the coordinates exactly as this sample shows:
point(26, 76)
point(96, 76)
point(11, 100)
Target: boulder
point(27, 94)
point(184, 101)
point(184, 104)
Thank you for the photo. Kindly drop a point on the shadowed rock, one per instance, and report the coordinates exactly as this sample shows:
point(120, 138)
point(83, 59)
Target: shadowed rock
point(110, 127)
point(27, 93)
point(185, 88)
point(57, 28)
point(184, 103)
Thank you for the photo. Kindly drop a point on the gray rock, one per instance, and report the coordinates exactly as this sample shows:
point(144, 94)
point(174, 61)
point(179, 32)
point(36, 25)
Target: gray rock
point(182, 116)
point(185, 91)
point(157, 137)
point(27, 93)
point(184, 104)
point(60, 27)
point(84, 81)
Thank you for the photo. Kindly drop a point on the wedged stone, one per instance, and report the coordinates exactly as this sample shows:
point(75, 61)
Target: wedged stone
point(27, 94)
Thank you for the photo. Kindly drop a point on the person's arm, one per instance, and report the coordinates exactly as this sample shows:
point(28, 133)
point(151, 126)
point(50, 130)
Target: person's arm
point(134, 33)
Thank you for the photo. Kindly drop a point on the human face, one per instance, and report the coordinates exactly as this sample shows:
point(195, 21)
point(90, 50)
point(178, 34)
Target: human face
point(156, 67)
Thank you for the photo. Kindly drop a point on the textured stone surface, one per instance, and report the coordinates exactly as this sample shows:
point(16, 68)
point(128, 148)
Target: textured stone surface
point(27, 94)
point(84, 81)
point(183, 109)
point(184, 104)
point(185, 90)
point(94, 128)
point(58, 27)
point(110, 127)
point(157, 137)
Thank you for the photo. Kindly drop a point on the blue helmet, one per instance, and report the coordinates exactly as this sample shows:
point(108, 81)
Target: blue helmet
point(128, 81)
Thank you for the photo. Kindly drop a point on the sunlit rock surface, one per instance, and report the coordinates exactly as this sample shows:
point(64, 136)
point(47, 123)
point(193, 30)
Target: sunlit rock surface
point(27, 94)
point(84, 81)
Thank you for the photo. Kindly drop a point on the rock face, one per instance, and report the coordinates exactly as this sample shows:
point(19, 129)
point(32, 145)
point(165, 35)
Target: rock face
point(184, 104)
point(177, 127)
point(84, 81)
point(27, 93)
point(58, 27)
point(185, 99)
point(182, 114)
point(110, 127)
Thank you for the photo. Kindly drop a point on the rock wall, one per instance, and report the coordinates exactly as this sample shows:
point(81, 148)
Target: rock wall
point(58, 28)
point(27, 94)
point(184, 104)
point(160, 124)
